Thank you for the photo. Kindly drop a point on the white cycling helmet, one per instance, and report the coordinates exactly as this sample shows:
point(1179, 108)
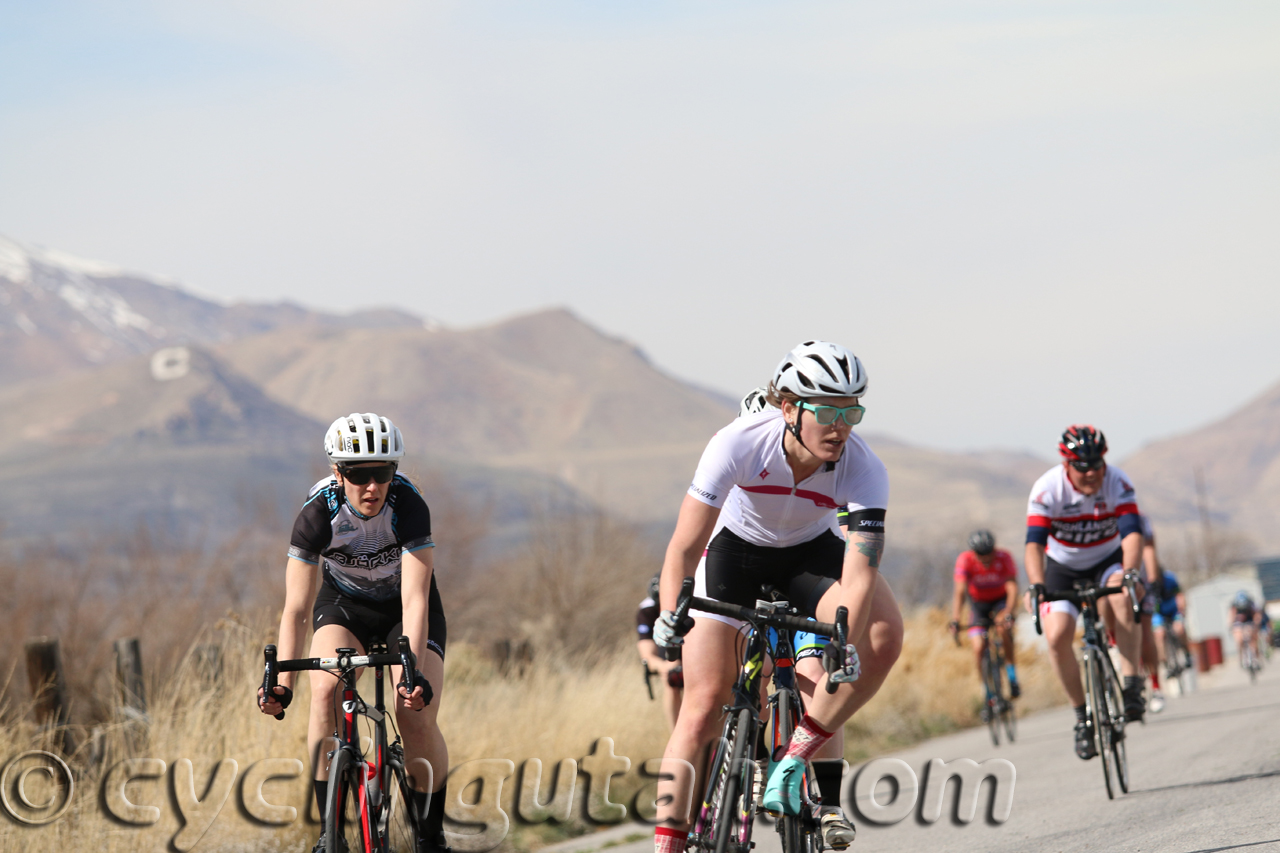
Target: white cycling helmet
point(755, 401)
point(363, 438)
point(821, 369)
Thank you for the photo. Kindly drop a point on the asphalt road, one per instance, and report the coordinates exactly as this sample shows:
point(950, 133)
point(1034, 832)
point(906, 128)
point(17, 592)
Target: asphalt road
point(1205, 777)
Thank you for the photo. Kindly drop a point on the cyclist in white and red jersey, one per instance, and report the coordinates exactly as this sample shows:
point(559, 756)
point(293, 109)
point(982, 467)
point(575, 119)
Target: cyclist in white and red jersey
point(989, 577)
point(766, 494)
point(1083, 524)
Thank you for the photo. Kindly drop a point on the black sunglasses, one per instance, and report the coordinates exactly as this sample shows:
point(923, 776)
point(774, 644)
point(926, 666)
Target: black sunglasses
point(362, 476)
point(1082, 465)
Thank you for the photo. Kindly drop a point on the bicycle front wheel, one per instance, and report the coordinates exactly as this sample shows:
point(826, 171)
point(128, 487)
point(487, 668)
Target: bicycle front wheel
point(734, 810)
point(1004, 700)
point(1115, 710)
point(346, 814)
point(991, 711)
point(793, 830)
point(1095, 680)
point(706, 830)
point(402, 821)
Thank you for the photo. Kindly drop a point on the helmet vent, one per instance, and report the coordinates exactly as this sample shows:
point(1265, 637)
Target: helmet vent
point(827, 368)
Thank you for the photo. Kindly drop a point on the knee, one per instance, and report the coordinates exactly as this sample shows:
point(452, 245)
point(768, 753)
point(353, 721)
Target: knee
point(1059, 641)
point(700, 716)
point(322, 690)
point(884, 649)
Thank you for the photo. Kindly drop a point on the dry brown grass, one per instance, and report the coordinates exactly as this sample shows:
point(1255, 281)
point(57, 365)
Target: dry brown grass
point(556, 709)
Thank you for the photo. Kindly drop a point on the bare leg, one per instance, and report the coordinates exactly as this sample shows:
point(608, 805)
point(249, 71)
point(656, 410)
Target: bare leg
point(1060, 631)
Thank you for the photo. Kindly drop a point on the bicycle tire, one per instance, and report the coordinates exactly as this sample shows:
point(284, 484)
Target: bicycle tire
point(402, 827)
point(730, 808)
point(790, 827)
point(999, 702)
point(1115, 710)
point(1008, 716)
point(344, 833)
point(706, 826)
point(1098, 711)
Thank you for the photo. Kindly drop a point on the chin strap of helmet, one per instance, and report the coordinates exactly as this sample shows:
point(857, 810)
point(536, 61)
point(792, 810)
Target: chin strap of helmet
point(794, 429)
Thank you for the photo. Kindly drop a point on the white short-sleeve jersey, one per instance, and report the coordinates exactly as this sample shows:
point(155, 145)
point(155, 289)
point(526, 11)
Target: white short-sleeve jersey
point(744, 470)
point(1083, 529)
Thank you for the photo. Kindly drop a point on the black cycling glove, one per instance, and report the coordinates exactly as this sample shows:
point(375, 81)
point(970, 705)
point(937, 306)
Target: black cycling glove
point(419, 680)
point(283, 698)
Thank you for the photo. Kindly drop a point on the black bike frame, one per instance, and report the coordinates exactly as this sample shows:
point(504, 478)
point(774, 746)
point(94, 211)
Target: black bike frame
point(347, 664)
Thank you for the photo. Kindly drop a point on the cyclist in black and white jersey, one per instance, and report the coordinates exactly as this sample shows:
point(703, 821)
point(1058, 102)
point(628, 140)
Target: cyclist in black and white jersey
point(765, 495)
point(368, 530)
point(670, 675)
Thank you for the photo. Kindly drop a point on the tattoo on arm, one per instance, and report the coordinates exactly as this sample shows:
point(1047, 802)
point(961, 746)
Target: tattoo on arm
point(871, 545)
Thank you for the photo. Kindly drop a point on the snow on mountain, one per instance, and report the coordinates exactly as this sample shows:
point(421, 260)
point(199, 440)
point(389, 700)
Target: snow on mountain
point(60, 313)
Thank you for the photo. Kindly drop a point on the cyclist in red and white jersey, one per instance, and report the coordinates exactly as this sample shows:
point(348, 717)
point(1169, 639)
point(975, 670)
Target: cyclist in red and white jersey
point(1083, 524)
point(766, 494)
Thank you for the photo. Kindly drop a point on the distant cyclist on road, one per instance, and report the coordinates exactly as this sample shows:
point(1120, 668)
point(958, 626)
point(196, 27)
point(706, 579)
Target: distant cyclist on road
point(765, 497)
point(1151, 650)
point(368, 531)
point(989, 577)
point(1083, 525)
point(1169, 613)
point(1245, 612)
point(669, 673)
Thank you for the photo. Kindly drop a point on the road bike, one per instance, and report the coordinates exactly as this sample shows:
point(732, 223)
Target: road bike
point(1104, 695)
point(735, 781)
point(1249, 659)
point(1179, 665)
point(997, 710)
point(370, 804)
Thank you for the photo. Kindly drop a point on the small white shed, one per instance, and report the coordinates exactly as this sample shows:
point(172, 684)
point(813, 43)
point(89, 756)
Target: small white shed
point(1209, 606)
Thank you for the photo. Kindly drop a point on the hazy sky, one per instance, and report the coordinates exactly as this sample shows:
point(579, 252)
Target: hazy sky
point(1020, 214)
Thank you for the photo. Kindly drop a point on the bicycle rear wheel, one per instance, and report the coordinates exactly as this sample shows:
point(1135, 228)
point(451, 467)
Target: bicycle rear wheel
point(1097, 709)
point(346, 823)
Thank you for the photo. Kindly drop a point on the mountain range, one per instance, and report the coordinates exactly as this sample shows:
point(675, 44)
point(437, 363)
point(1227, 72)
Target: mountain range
point(147, 403)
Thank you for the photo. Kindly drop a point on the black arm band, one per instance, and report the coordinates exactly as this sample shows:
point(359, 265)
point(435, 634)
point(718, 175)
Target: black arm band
point(866, 521)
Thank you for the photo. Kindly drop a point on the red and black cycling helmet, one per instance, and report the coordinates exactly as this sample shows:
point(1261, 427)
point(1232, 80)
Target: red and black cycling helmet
point(1083, 446)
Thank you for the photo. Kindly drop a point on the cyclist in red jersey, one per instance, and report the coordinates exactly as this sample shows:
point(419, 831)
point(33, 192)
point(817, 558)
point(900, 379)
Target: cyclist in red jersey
point(989, 577)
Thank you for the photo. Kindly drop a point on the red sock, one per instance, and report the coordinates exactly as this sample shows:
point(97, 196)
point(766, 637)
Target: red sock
point(669, 840)
point(1155, 680)
point(807, 739)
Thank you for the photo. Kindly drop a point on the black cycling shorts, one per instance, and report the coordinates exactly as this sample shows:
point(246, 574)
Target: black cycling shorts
point(377, 621)
point(736, 570)
point(1058, 577)
point(981, 613)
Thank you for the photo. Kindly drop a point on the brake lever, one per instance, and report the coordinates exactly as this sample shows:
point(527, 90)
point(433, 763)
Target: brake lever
point(842, 640)
point(269, 676)
point(408, 665)
point(682, 610)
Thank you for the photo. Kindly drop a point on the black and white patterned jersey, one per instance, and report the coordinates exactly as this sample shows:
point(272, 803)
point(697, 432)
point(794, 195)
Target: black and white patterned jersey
point(360, 555)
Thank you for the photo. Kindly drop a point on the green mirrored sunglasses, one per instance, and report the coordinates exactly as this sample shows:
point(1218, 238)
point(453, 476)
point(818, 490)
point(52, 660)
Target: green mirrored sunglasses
point(827, 415)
